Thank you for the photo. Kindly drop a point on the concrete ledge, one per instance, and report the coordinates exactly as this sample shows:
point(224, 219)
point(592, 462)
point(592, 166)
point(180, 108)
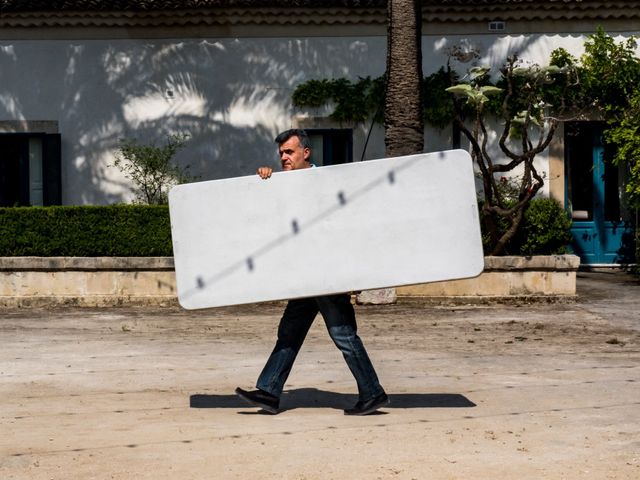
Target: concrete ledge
point(487, 300)
point(109, 281)
point(556, 263)
point(86, 281)
point(44, 301)
point(508, 277)
point(83, 264)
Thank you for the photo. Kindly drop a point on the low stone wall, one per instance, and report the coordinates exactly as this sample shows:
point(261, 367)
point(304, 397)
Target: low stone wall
point(550, 277)
point(87, 281)
point(108, 281)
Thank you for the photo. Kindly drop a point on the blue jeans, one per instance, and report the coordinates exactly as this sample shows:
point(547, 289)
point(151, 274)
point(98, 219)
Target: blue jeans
point(340, 319)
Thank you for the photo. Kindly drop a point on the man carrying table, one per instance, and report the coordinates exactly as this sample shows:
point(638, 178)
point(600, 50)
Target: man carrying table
point(294, 149)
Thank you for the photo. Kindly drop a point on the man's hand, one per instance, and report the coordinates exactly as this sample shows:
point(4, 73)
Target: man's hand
point(265, 172)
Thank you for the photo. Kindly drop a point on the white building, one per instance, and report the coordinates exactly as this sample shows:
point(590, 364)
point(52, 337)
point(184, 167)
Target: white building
point(76, 76)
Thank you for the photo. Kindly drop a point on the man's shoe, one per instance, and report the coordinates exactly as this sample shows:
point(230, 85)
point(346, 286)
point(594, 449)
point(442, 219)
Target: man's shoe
point(260, 398)
point(370, 406)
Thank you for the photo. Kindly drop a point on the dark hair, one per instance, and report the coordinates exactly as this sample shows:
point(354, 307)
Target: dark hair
point(305, 142)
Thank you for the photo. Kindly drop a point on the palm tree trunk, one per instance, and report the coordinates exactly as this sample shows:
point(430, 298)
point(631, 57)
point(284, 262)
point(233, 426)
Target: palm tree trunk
point(403, 120)
point(404, 124)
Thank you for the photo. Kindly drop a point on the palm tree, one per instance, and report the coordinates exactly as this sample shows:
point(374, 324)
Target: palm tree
point(403, 118)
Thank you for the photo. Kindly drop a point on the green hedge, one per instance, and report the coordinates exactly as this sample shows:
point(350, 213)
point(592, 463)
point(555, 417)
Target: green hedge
point(86, 231)
point(145, 231)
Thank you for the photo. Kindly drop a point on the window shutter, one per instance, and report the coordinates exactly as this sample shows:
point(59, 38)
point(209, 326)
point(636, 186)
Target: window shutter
point(23, 171)
point(51, 170)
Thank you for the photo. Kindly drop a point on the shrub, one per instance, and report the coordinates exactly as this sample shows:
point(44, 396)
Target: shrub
point(151, 168)
point(85, 231)
point(545, 230)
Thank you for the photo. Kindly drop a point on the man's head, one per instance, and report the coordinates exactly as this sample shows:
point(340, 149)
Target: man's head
point(294, 149)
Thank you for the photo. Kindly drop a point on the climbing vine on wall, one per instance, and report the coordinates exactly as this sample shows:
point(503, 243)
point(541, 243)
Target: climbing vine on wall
point(363, 99)
point(354, 101)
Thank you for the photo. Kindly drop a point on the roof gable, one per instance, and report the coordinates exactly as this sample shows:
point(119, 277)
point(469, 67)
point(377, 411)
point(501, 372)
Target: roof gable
point(151, 5)
point(174, 13)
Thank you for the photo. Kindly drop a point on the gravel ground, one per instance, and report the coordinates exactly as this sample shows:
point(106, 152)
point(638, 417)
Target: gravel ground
point(478, 392)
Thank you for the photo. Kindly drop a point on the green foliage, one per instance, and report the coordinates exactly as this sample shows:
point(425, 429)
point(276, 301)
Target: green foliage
point(609, 72)
point(364, 99)
point(150, 168)
point(85, 231)
point(614, 91)
point(531, 91)
point(545, 230)
point(438, 108)
point(475, 95)
point(567, 91)
point(625, 134)
point(354, 102)
point(316, 93)
point(476, 90)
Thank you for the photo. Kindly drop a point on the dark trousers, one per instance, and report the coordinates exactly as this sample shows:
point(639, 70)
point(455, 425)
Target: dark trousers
point(340, 320)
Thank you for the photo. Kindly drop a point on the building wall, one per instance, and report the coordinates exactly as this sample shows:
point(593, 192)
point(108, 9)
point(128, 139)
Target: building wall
point(230, 94)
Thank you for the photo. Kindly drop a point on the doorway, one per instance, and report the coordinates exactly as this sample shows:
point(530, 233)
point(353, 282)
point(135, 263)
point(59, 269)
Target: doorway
point(602, 228)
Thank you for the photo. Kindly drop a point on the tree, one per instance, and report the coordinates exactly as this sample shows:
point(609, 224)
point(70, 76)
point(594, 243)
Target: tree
point(403, 112)
point(625, 134)
point(614, 92)
point(150, 168)
point(609, 89)
point(523, 106)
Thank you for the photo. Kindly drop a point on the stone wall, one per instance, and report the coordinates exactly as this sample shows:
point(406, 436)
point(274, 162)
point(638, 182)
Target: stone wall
point(109, 281)
point(508, 278)
point(87, 281)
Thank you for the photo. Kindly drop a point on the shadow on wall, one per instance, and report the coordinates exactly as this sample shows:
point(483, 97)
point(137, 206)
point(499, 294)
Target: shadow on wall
point(492, 50)
point(231, 96)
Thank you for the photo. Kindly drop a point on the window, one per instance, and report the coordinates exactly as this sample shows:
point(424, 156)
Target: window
point(29, 169)
point(331, 146)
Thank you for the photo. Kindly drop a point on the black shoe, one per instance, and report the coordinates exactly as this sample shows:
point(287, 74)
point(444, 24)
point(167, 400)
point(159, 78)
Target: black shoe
point(259, 398)
point(370, 406)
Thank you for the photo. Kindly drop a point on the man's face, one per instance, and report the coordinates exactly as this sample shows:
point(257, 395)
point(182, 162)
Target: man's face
point(292, 155)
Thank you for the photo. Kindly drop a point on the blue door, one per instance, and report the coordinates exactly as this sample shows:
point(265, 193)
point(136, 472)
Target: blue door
point(602, 229)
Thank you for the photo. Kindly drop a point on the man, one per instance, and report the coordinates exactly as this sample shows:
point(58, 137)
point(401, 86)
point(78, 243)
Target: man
point(294, 149)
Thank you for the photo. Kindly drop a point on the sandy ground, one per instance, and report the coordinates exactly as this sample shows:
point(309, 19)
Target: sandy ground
point(541, 391)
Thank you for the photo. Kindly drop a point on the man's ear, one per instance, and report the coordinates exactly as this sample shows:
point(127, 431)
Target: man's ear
point(307, 153)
